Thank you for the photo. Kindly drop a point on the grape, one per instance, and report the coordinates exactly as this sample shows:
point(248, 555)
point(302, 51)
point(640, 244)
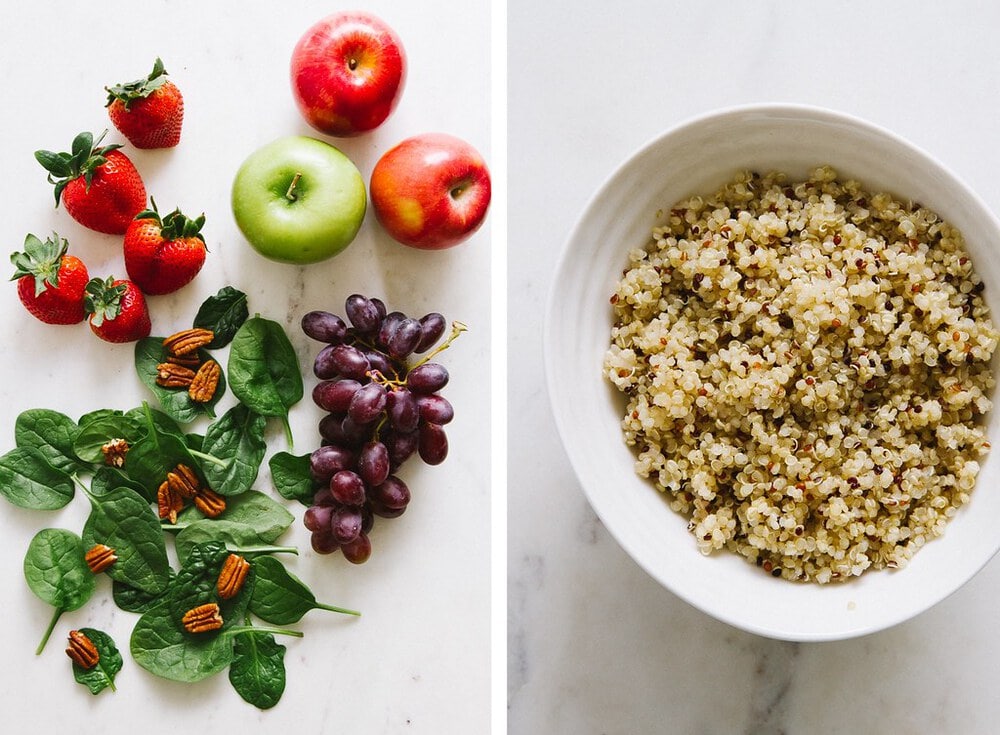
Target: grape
point(389, 324)
point(348, 488)
point(373, 463)
point(427, 378)
point(323, 542)
point(401, 446)
point(367, 404)
point(327, 461)
point(381, 363)
point(393, 494)
point(354, 434)
point(323, 366)
point(432, 444)
point(359, 550)
point(379, 307)
point(348, 361)
point(323, 496)
point(317, 517)
point(345, 524)
point(367, 519)
point(404, 414)
point(382, 512)
point(324, 327)
point(431, 328)
point(404, 339)
point(362, 313)
point(335, 395)
point(331, 429)
point(435, 409)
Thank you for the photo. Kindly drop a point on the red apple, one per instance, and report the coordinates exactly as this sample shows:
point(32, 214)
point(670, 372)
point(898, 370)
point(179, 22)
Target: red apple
point(431, 191)
point(348, 71)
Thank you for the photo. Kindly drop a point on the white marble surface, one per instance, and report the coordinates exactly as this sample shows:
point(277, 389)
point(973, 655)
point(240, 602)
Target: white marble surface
point(595, 645)
point(418, 660)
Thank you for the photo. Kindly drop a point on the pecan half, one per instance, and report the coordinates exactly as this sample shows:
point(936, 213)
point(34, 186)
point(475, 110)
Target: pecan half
point(205, 382)
point(183, 481)
point(232, 576)
point(82, 650)
point(114, 452)
point(202, 619)
point(187, 341)
point(170, 375)
point(168, 502)
point(209, 502)
point(191, 360)
point(100, 557)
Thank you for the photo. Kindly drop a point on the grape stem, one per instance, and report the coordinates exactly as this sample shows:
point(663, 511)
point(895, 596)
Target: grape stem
point(456, 329)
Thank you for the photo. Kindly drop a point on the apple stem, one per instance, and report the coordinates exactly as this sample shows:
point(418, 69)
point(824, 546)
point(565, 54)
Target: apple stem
point(290, 194)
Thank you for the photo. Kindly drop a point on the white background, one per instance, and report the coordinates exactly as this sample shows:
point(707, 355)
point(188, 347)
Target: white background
point(595, 645)
point(418, 660)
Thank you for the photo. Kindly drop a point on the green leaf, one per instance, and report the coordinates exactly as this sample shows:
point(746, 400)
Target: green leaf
point(263, 369)
point(175, 402)
point(109, 663)
point(98, 431)
point(53, 434)
point(152, 457)
point(28, 480)
point(255, 509)
point(291, 477)
point(257, 671)
point(134, 600)
point(57, 573)
point(124, 520)
point(106, 479)
point(160, 645)
point(281, 598)
point(237, 436)
point(224, 314)
point(236, 536)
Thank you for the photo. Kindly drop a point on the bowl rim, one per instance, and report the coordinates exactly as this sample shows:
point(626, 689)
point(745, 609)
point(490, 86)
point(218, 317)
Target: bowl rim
point(813, 113)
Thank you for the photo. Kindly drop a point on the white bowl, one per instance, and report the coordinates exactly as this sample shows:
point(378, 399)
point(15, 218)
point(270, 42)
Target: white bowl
point(696, 158)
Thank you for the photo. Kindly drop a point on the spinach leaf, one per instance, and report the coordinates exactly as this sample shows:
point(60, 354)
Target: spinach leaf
point(257, 671)
point(99, 413)
point(124, 520)
point(195, 584)
point(264, 371)
point(134, 600)
point(28, 480)
point(175, 402)
point(152, 457)
point(238, 435)
point(281, 598)
point(224, 314)
point(253, 508)
point(291, 477)
point(147, 416)
point(160, 645)
point(97, 432)
point(51, 433)
point(102, 675)
point(106, 479)
point(239, 537)
point(56, 572)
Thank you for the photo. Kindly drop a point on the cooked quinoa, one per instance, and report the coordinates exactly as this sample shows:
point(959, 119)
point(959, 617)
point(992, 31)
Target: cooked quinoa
point(806, 367)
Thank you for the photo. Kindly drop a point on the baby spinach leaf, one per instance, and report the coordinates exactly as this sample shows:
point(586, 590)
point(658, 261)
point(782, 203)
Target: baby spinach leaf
point(239, 537)
point(102, 675)
point(134, 600)
point(291, 477)
point(264, 371)
point(195, 585)
point(281, 598)
point(238, 435)
point(28, 480)
point(257, 671)
point(124, 520)
point(147, 415)
point(175, 402)
point(224, 314)
point(51, 433)
point(106, 479)
point(97, 432)
point(160, 645)
point(99, 413)
point(56, 572)
point(253, 508)
point(152, 457)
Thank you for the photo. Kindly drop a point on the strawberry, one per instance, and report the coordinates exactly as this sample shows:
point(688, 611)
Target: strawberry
point(162, 254)
point(118, 311)
point(50, 283)
point(148, 111)
point(98, 185)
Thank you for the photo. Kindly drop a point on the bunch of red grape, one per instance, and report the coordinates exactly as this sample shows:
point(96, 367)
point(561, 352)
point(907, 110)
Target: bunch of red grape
point(381, 409)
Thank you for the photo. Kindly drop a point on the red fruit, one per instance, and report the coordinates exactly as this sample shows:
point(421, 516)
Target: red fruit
point(148, 111)
point(98, 185)
point(118, 311)
point(163, 254)
point(50, 283)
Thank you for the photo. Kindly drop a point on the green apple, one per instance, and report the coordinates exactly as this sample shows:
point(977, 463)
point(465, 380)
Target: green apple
point(299, 200)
